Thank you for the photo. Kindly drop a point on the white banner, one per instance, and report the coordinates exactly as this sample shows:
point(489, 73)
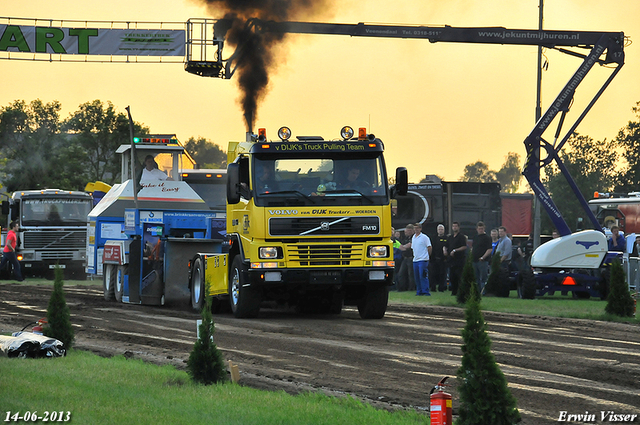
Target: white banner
point(91, 41)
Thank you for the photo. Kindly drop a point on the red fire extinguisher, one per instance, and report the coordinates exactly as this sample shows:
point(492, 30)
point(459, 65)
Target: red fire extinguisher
point(37, 329)
point(440, 408)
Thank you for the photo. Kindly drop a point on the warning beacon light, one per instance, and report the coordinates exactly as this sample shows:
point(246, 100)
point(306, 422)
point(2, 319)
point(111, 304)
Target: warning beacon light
point(262, 134)
point(346, 132)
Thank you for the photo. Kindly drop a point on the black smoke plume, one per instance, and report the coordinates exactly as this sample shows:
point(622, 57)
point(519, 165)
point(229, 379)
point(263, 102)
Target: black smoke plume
point(258, 48)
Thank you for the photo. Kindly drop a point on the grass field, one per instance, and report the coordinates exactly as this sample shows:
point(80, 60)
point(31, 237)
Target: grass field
point(97, 390)
point(553, 306)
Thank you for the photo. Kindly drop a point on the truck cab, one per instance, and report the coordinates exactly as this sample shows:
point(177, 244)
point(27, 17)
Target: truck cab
point(53, 230)
point(309, 223)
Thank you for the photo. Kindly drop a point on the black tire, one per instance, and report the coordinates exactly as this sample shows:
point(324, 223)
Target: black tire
point(122, 271)
point(336, 301)
point(527, 285)
point(504, 285)
point(605, 284)
point(581, 295)
point(244, 300)
point(373, 305)
point(197, 285)
point(109, 276)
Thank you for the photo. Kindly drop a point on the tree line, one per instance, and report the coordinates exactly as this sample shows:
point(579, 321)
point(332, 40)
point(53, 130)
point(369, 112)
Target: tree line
point(40, 150)
point(611, 166)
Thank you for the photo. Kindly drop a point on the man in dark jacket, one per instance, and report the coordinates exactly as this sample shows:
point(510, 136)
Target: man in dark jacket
point(457, 254)
point(405, 280)
point(481, 253)
point(439, 261)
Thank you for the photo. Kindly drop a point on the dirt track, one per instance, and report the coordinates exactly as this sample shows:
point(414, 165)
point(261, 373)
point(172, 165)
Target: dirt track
point(551, 365)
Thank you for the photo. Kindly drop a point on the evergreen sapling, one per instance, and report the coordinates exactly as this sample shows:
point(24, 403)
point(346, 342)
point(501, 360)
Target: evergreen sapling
point(58, 316)
point(493, 281)
point(619, 301)
point(484, 395)
point(468, 282)
point(205, 364)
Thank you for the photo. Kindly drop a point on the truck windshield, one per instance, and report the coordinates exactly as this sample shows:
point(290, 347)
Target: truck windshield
point(213, 192)
point(330, 180)
point(55, 212)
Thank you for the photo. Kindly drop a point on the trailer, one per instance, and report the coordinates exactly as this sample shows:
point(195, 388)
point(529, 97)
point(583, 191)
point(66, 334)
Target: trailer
point(143, 233)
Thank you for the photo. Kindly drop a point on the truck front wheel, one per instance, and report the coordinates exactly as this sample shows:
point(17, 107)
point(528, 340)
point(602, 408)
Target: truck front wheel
point(197, 285)
point(373, 305)
point(245, 300)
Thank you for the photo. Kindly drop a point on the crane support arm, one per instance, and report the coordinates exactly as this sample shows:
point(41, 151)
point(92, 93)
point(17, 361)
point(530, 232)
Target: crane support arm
point(534, 141)
point(485, 35)
point(603, 48)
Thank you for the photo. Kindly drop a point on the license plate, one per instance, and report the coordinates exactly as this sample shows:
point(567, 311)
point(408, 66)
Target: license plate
point(53, 266)
point(329, 276)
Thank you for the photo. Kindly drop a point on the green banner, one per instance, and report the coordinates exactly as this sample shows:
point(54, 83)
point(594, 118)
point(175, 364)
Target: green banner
point(91, 41)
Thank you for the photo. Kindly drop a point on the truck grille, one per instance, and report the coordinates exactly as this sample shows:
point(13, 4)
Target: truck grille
point(55, 239)
point(325, 254)
point(57, 255)
point(321, 226)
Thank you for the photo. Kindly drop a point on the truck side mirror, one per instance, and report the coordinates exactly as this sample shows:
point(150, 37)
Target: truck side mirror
point(402, 181)
point(233, 183)
point(5, 207)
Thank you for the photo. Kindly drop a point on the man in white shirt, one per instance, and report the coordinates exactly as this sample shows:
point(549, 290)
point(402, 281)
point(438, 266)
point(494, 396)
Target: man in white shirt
point(421, 245)
point(150, 171)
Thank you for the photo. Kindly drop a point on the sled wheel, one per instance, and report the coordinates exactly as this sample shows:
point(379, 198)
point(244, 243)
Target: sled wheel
point(109, 281)
point(121, 272)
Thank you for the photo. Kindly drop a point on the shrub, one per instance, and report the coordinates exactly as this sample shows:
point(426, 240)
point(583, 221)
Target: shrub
point(58, 317)
point(619, 301)
point(493, 281)
point(205, 364)
point(484, 395)
point(468, 282)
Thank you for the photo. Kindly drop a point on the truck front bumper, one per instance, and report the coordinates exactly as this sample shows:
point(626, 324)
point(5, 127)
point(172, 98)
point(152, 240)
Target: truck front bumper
point(328, 276)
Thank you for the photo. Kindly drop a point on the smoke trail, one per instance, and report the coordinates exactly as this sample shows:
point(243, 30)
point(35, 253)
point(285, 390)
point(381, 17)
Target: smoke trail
point(258, 49)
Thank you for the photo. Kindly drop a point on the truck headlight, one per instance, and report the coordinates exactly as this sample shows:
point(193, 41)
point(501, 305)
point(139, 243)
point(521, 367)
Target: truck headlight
point(267, 252)
point(378, 251)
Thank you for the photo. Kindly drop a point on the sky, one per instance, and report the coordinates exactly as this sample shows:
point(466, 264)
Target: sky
point(436, 106)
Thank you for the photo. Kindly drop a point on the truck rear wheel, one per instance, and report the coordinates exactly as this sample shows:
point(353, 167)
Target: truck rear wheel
point(373, 305)
point(197, 285)
point(109, 281)
point(245, 300)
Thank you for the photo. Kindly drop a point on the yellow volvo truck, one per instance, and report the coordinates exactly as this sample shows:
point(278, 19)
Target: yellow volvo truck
point(309, 224)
